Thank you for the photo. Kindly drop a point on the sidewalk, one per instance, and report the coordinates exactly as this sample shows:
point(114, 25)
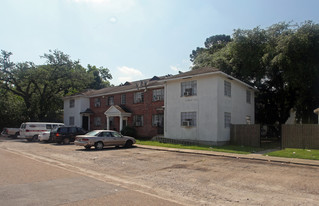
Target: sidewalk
point(258, 157)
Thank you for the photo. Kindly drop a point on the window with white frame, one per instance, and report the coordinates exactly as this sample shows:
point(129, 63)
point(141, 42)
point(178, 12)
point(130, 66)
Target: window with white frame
point(248, 119)
point(72, 103)
point(227, 88)
point(248, 96)
point(138, 97)
point(227, 119)
point(138, 120)
point(71, 120)
point(188, 119)
point(189, 88)
point(158, 120)
point(97, 102)
point(123, 99)
point(97, 121)
point(110, 100)
point(158, 95)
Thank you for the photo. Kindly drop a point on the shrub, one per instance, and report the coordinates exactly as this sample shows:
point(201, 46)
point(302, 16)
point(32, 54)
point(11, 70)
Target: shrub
point(128, 131)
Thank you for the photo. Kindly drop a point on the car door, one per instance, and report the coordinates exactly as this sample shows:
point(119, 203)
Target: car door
point(118, 138)
point(107, 138)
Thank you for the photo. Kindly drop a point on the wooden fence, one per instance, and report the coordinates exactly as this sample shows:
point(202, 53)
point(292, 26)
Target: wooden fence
point(300, 136)
point(247, 135)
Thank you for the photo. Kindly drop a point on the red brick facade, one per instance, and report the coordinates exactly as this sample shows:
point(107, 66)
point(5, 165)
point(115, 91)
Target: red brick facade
point(146, 109)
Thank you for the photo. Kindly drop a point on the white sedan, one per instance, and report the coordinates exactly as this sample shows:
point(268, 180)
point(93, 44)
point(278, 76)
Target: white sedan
point(44, 136)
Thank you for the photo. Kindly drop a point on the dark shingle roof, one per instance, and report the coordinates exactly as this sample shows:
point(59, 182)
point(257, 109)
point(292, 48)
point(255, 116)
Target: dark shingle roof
point(195, 72)
point(131, 86)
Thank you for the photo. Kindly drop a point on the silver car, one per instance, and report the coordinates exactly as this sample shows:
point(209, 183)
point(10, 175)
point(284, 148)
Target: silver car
point(102, 138)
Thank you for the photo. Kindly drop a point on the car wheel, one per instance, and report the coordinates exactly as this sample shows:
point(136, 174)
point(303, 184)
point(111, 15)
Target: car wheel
point(66, 141)
point(35, 138)
point(99, 145)
point(87, 147)
point(128, 143)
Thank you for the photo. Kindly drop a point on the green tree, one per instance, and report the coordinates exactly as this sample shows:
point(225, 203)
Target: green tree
point(42, 87)
point(100, 77)
point(280, 61)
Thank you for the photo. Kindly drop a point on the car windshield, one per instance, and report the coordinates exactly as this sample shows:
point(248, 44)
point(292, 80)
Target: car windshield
point(93, 133)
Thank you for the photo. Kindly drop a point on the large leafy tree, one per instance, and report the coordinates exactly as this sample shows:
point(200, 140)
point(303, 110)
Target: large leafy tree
point(280, 61)
point(40, 87)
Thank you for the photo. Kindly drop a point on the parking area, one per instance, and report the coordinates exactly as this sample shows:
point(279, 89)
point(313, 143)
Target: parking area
point(188, 179)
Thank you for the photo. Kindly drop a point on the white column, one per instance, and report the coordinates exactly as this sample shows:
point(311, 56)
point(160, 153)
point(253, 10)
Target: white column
point(121, 123)
point(107, 122)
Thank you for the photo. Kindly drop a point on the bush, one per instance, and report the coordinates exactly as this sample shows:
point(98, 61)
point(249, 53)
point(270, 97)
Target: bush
point(128, 131)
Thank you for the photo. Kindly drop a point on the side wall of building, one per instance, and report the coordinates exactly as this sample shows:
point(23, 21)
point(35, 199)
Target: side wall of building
point(210, 105)
point(80, 105)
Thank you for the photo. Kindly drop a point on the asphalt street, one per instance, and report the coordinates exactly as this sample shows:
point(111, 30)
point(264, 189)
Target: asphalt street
point(25, 181)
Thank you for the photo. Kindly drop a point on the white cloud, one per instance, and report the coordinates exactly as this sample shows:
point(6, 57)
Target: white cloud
point(113, 20)
point(116, 6)
point(174, 68)
point(128, 74)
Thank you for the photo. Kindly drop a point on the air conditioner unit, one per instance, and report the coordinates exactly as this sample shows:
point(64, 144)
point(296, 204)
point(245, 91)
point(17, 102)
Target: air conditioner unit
point(188, 93)
point(186, 123)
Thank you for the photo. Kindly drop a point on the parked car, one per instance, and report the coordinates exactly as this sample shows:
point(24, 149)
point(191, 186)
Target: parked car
point(31, 130)
point(44, 136)
point(101, 138)
point(10, 132)
point(65, 135)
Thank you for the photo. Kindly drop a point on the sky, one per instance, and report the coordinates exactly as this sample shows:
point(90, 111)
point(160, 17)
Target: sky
point(134, 39)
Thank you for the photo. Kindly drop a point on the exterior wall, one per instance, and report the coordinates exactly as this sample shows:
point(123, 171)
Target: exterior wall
point(210, 103)
point(204, 104)
point(80, 105)
point(146, 108)
point(236, 105)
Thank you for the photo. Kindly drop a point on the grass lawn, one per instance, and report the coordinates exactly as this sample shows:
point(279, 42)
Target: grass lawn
point(296, 153)
point(227, 148)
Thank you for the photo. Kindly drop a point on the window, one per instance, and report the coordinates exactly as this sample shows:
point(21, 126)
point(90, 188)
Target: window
point(248, 96)
point(138, 97)
point(72, 130)
point(138, 120)
point(97, 121)
point(110, 100)
point(97, 102)
point(72, 103)
point(158, 95)
point(188, 119)
point(71, 120)
point(189, 88)
point(123, 99)
point(158, 120)
point(227, 88)
point(227, 119)
point(248, 120)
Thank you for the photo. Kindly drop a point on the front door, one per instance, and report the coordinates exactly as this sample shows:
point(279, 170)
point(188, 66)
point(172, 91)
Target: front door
point(85, 123)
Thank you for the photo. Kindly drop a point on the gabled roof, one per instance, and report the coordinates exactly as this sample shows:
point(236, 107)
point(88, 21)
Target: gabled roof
point(204, 72)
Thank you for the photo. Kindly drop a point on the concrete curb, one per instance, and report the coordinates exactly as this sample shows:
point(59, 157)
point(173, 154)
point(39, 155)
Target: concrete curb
point(257, 157)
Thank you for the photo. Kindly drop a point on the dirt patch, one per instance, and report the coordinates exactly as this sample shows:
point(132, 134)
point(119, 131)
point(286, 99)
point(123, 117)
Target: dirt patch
point(188, 178)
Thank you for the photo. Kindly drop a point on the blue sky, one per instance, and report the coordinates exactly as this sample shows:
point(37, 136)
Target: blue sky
point(134, 39)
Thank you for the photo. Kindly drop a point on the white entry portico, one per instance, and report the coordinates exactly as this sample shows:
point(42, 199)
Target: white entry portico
point(116, 111)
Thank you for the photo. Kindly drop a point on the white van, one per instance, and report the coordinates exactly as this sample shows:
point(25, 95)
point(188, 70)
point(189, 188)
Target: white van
point(31, 130)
